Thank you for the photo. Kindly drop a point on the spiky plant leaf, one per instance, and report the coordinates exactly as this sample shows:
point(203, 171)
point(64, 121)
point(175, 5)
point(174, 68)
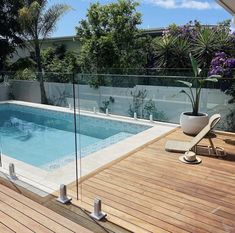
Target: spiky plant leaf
point(205, 45)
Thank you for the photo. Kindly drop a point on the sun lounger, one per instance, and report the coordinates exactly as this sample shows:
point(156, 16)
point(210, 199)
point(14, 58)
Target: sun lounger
point(183, 146)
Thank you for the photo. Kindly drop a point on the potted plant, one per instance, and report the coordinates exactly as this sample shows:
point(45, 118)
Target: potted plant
point(193, 122)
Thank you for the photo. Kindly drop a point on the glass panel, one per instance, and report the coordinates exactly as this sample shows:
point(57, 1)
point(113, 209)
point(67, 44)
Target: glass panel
point(109, 102)
point(87, 114)
point(157, 95)
point(220, 98)
point(37, 138)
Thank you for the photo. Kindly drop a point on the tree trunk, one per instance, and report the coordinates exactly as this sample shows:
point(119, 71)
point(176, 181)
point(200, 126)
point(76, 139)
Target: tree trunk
point(40, 74)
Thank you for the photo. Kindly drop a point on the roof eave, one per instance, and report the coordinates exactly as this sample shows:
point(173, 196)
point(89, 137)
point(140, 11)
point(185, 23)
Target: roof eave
point(226, 7)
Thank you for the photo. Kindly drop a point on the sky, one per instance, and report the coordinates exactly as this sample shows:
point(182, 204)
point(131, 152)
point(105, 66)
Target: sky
point(155, 13)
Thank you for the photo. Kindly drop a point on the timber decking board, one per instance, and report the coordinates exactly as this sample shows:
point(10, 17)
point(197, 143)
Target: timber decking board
point(152, 191)
point(22, 215)
point(71, 212)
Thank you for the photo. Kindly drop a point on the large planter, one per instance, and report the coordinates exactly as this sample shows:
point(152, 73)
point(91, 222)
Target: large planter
point(193, 124)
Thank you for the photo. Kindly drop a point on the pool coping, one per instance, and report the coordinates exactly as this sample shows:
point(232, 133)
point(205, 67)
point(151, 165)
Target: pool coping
point(49, 181)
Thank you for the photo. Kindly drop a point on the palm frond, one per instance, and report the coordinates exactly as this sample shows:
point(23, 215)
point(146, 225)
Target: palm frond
point(50, 18)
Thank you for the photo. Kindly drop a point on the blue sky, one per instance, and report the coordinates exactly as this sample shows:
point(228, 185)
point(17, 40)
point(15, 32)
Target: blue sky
point(155, 13)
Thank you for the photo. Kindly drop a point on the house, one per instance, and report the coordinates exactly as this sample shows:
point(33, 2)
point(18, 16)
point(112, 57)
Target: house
point(70, 43)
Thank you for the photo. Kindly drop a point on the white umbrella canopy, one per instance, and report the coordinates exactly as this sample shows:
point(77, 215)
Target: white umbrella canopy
point(228, 5)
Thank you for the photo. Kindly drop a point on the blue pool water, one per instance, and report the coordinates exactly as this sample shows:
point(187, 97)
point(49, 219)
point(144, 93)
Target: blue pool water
point(45, 138)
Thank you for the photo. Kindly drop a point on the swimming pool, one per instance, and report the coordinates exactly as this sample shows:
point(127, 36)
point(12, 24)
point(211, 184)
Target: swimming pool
point(45, 138)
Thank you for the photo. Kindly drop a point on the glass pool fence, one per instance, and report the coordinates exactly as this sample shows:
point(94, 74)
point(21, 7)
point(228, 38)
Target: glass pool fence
point(50, 144)
point(41, 141)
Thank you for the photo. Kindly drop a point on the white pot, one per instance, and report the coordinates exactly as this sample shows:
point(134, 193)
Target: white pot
point(193, 124)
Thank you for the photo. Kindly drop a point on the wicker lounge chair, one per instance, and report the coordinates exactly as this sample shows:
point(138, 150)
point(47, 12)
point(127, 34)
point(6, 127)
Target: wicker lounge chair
point(183, 146)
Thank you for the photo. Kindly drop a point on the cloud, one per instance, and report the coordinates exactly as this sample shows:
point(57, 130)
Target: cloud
point(186, 4)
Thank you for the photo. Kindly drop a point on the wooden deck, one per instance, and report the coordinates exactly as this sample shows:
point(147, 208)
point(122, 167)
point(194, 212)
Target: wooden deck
point(152, 191)
point(22, 215)
point(74, 213)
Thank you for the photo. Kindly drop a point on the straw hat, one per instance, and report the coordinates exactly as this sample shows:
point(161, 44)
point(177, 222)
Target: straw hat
point(190, 158)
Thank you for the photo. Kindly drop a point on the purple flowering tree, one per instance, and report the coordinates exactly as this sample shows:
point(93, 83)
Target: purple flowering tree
point(223, 65)
point(188, 31)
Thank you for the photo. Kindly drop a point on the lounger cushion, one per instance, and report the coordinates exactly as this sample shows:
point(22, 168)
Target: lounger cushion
point(177, 146)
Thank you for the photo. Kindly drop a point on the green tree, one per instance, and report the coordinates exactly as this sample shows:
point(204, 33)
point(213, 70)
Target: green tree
point(59, 61)
point(111, 39)
point(9, 29)
point(37, 23)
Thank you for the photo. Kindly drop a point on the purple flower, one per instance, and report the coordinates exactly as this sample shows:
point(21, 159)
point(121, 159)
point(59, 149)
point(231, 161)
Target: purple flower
point(221, 54)
point(230, 63)
point(216, 62)
point(211, 72)
point(222, 65)
point(216, 71)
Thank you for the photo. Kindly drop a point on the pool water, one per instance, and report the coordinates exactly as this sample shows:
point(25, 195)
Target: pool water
point(45, 138)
